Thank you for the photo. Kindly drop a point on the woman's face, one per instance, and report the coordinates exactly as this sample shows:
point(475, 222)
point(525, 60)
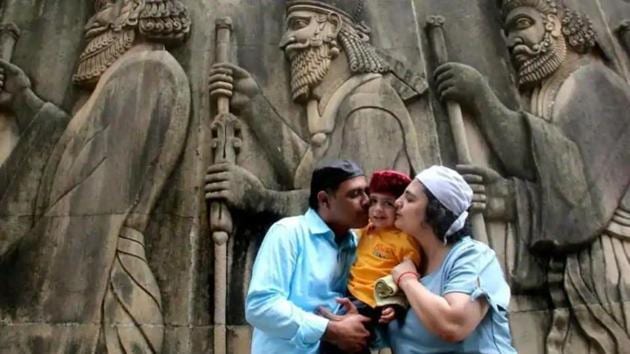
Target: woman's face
point(411, 209)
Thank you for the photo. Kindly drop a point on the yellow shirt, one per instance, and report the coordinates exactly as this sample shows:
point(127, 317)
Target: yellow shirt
point(378, 253)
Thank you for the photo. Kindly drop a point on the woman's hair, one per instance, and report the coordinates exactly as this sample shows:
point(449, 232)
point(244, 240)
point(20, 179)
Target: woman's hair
point(440, 219)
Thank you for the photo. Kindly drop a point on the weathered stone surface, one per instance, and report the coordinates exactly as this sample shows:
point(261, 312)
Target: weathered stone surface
point(390, 118)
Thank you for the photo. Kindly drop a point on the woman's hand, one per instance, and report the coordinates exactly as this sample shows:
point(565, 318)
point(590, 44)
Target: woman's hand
point(404, 269)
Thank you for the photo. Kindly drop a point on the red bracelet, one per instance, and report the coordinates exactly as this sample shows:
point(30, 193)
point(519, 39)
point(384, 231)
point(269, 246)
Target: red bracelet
point(403, 274)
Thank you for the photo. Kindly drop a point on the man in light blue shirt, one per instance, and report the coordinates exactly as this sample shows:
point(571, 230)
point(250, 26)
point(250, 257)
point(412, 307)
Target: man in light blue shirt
point(303, 264)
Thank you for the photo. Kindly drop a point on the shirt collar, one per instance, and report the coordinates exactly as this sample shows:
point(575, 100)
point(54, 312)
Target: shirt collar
point(317, 226)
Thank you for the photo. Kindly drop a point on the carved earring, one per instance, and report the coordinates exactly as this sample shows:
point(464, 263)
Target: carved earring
point(334, 49)
point(549, 26)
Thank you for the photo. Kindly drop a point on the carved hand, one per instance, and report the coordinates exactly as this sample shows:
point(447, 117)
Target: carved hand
point(13, 82)
point(493, 194)
point(235, 82)
point(460, 83)
point(234, 185)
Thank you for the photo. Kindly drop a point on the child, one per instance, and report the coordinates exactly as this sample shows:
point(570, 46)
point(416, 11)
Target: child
point(381, 247)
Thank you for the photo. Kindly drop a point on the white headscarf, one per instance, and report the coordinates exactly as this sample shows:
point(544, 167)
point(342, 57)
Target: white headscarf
point(451, 190)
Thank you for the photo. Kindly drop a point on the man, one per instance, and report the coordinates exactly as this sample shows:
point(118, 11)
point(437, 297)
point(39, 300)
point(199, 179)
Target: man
point(303, 264)
point(570, 161)
point(83, 261)
point(351, 109)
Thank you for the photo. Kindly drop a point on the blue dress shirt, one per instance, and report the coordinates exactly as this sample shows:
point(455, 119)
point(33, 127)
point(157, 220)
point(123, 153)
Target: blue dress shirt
point(299, 268)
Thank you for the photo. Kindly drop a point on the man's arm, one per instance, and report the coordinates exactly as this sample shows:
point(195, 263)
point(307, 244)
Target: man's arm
point(267, 305)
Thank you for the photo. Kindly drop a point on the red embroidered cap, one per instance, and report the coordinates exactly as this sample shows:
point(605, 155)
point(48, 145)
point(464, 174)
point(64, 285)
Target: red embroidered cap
point(389, 182)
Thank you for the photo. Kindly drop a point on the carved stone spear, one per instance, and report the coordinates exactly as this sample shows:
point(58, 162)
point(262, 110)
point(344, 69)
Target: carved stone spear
point(9, 34)
point(435, 25)
point(225, 144)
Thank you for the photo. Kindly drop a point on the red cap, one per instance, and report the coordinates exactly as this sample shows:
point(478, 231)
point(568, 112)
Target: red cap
point(389, 182)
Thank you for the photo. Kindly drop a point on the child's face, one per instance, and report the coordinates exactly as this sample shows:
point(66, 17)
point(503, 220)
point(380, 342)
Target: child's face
point(382, 210)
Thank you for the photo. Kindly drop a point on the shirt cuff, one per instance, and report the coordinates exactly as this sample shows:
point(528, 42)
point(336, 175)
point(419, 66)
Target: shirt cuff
point(311, 331)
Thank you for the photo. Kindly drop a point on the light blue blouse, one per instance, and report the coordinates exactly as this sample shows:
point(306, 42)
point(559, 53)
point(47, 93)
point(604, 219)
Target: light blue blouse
point(470, 267)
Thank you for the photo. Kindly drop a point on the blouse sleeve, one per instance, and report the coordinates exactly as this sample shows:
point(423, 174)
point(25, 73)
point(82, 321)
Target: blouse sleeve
point(474, 270)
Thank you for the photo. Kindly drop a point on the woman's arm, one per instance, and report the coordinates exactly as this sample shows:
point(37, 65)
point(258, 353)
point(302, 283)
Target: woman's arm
point(452, 317)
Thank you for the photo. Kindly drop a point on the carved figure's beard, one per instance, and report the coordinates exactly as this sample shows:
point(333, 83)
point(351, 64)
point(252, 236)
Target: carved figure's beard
point(309, 65)
point(100, 53)
point(539, 61)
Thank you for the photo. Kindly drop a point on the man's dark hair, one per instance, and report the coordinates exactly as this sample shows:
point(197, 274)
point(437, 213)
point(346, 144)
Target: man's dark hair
point(440, 219)
point(329, 175)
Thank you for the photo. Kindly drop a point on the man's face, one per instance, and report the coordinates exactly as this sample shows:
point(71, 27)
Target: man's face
point(107, 38)
point(107, 11)
point(307, 45)
point(535, 42)
point(525, 31)
point(349, 204)
point(305, 29)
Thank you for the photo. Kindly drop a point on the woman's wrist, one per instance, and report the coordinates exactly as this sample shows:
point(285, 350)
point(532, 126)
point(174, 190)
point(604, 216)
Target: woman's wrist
point(406, 275)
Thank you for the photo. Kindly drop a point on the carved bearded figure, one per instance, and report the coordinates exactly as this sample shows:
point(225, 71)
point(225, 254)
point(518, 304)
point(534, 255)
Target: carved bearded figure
point(337, 75)
point(80, 259)
point(569, 163)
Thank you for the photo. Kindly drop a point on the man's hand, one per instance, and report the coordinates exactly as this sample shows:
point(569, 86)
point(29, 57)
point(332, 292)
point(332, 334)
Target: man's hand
point(13, 82)
point(235, 82)
point(460, 83)
point(234, 185)
point(347, 331)
point(493, 194)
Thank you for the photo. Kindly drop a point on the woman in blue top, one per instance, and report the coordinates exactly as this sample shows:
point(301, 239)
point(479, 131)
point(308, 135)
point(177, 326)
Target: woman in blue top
point(460, 304)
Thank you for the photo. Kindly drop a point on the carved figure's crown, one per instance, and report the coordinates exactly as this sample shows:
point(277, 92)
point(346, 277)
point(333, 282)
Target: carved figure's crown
point(351, 9)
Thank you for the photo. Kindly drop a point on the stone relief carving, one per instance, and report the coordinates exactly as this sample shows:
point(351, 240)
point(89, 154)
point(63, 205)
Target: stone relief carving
point(623, 31)
point(568, 170)
point(9, 130)
point(76, 189)
point(87, 184)
point(352, 109)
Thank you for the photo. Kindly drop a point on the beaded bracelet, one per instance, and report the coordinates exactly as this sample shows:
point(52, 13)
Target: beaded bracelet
point(404, 274)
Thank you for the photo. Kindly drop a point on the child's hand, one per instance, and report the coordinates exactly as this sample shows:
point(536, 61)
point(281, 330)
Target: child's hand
point(387, 315)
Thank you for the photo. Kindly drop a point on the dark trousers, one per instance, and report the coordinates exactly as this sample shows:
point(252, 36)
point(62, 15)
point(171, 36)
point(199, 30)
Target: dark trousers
point(374, 313)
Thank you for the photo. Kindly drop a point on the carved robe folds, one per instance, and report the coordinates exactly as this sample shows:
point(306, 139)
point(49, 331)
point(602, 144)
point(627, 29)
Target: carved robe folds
point(364, 120)
point(83, 265)
point(575, 210)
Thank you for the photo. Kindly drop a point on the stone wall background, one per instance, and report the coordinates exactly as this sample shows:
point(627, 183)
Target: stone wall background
point(179, 246)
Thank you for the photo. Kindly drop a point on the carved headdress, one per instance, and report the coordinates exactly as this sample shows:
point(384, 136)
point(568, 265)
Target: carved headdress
point(349, 9)
point(546, 7)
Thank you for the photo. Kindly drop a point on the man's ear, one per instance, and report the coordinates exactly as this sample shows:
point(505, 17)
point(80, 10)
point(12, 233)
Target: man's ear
point(554, 25)
point(336, 21)
point(322, 199)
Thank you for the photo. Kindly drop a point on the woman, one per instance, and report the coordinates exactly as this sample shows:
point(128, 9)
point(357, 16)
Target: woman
point(460, 304)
